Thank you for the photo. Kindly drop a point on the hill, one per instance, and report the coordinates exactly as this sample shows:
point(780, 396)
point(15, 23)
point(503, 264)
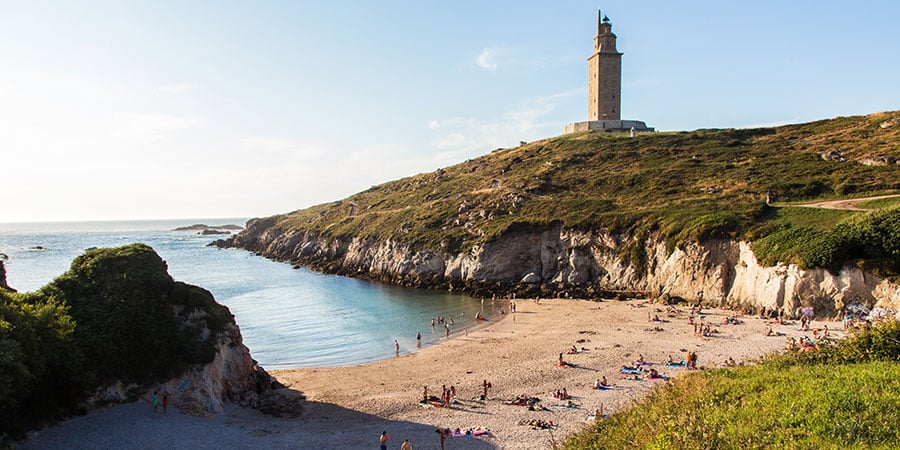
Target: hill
point(114, 328)
point(679, 188)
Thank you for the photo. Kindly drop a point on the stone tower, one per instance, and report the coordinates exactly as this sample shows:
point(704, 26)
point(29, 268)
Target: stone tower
point(605, 87)
point(604, 75)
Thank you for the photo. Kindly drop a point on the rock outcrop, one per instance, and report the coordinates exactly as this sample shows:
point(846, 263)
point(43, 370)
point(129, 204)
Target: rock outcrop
point(142, 332)
point(233, 375)
point(3, 284)
point(563, 262)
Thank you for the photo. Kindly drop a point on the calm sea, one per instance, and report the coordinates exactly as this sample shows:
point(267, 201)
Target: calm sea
point(288, 317)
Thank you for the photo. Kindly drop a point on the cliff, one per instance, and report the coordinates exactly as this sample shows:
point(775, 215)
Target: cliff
point(145, 332)
point(560, 262)
point(584, 214)
point(116, 328)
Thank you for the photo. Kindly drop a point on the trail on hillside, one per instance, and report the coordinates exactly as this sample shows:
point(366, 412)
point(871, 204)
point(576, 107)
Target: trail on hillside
point(850, 204)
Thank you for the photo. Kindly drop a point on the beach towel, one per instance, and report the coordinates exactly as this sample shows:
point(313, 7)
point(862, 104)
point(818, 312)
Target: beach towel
point(472, 432)
point(678, 364)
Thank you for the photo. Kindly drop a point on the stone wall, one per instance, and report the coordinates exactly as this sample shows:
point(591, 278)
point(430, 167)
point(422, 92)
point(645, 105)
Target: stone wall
point(608, 126)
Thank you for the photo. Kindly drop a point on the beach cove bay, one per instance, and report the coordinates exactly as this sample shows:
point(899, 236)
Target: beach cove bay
point(288, 317)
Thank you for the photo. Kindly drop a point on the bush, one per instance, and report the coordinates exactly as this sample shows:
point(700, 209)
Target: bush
point(123, 302)
point(874, 237)
point(38, 361)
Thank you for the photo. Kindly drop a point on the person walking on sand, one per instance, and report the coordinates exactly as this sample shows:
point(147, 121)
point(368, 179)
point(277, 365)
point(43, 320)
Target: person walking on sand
point(165, 403)
point(383, 440)
point(406, 445)
point(155, 400)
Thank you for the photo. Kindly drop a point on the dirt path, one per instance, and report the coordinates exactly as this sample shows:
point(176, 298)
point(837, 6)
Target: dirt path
point(850, 204)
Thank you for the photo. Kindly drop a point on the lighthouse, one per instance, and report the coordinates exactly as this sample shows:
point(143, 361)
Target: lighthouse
point(605, 87)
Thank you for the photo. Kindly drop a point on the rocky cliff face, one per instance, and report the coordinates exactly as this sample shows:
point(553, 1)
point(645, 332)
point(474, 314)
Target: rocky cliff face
point(559, 261)
point(3, 284)
point(233, 375)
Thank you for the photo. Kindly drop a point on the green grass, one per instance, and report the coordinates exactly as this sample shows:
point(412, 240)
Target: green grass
point(818, 219)
point(872, 239)
point(882, 203)
point(682, 187)
point(841, 397)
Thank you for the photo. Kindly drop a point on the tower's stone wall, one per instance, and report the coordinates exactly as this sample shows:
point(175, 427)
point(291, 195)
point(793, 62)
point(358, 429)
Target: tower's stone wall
point(605, 81)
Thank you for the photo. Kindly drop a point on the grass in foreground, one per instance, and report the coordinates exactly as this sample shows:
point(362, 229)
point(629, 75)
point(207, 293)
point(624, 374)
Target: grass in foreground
point(841, 397)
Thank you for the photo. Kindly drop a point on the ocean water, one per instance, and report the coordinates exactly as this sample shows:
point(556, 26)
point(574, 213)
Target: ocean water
point(288, 317)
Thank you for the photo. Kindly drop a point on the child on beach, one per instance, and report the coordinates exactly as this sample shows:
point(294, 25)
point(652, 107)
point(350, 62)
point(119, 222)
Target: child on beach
point(383, 440)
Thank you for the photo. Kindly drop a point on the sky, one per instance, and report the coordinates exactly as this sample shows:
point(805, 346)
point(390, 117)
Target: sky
point(122, 110)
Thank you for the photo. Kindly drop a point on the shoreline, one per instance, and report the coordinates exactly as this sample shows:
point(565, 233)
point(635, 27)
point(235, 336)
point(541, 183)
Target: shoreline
point(349, 406)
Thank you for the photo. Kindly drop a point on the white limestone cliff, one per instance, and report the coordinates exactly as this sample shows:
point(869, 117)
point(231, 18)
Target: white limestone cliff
point(720, 272)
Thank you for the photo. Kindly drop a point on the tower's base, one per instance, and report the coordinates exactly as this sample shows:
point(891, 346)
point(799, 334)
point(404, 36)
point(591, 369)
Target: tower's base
point(609, 126)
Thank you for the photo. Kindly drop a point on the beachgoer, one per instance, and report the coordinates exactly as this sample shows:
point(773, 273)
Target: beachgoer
point(561, 362)
point(425, 395)
point(406, 445)
point(668, 359)
point(383, 440)
point(396, 347)
point(155, 400)
point(165, 403)
point(484, 393)
point(603, 381)
point(419, 337)
point(443, 435)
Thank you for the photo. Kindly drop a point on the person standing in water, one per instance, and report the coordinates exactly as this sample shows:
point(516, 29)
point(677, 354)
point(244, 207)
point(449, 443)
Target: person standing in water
point(383, 440)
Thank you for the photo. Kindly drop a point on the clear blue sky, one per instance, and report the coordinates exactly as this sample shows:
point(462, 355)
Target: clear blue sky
point(181, 109)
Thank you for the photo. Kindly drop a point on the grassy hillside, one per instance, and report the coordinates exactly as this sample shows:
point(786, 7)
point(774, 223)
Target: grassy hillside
point(841, 397)
point(686, 186)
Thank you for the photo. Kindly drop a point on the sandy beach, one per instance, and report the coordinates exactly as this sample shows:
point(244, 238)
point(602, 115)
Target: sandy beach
point(517, 353)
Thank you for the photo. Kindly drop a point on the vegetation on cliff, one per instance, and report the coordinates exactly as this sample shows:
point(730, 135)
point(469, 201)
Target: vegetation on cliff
point(685, 186)
point(116, 315)
point(844, 396)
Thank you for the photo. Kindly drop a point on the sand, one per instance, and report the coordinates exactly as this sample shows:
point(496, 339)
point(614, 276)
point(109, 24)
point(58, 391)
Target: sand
point(517, 353)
